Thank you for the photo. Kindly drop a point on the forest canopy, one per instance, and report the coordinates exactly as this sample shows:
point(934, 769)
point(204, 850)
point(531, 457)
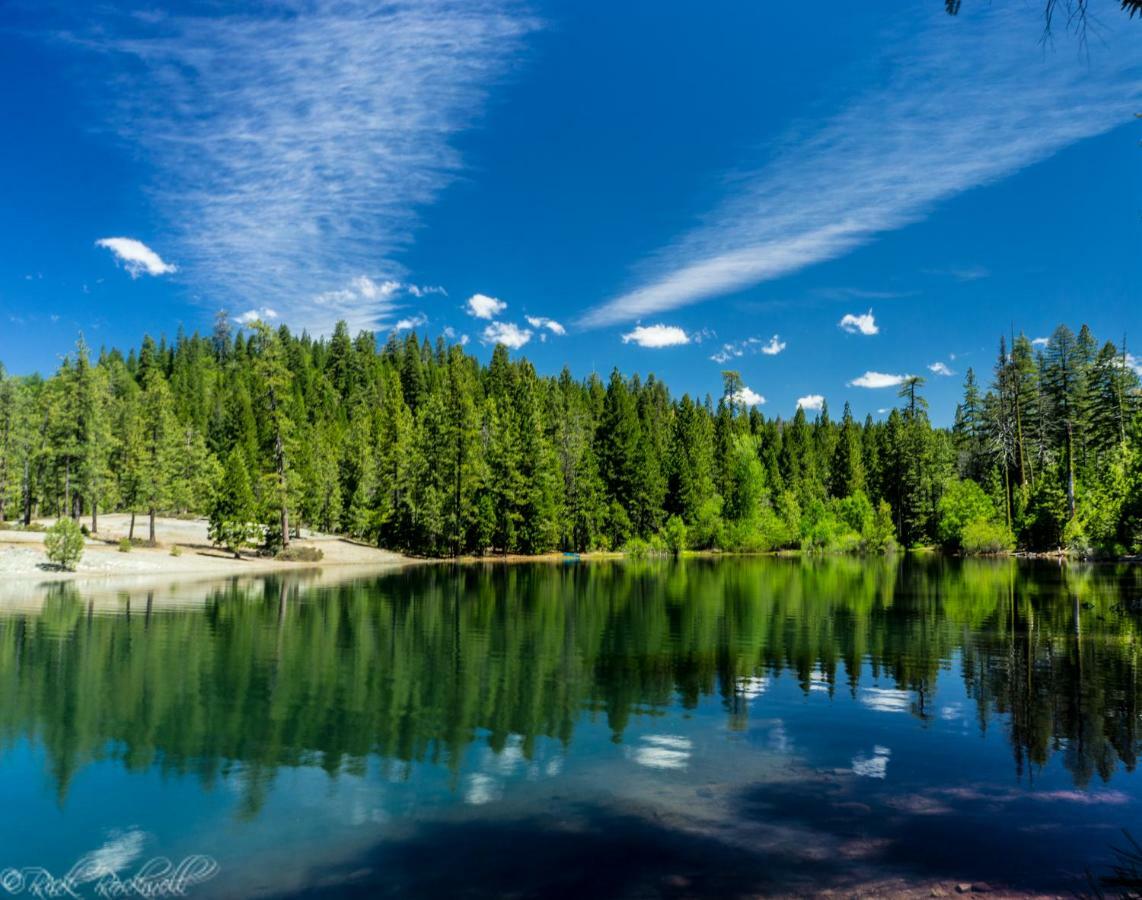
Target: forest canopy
point(420, 447)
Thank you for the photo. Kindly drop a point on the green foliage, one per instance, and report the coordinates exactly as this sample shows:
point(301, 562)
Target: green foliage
point(233, 522)
point(418, 447)
point(963, 503)
point(301, 553)
point(125, 545)
point(675, 534)
point(63, 543)
point(980, 536)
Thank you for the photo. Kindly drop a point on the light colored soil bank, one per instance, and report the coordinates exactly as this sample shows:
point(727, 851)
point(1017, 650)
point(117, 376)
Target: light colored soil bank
point(22, 554)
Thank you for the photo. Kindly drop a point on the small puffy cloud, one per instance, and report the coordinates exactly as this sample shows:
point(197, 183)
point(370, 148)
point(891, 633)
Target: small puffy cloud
point(811, 402)
point(265, 314)
point(451, 334)
point(543, 322)
point(411, 322)
point(751, 398)
point(136, 257)
point(862, 324)
point(1040, 342)
point(878, 380)
point(939, 368)
point(484, 307)
point(655, 336)
point(507, 333)
point(775, 346)
point(1134, 364)
point(750, 345)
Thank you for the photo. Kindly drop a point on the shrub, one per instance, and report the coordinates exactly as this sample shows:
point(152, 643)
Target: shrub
point(964, 502)
point(982, 537)
point(637, 548)
point(176, 550)
point(301, 553)
point(64, 544)
point(125, 545)
point(674, 534)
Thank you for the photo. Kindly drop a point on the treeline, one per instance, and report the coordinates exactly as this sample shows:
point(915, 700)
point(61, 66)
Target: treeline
point(420, 447)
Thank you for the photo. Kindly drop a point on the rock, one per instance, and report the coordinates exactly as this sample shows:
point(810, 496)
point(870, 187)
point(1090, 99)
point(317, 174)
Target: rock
point(963, 888)
point(981, 887)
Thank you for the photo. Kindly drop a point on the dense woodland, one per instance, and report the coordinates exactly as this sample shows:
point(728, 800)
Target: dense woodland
point(419, 447)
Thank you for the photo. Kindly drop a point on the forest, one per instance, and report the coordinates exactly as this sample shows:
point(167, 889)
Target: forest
point(419, 447)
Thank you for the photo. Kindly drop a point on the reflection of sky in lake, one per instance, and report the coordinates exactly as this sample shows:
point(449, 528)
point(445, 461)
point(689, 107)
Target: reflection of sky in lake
point(846, 772)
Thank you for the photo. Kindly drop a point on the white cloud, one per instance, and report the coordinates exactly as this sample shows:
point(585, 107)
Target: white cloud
point(1040, 342)
point(419, 290)
point(939, 368)
point(775, 346)
point(372, 290)
point(294, 146)
point(136, 257)
point(958, 103)
point(264, 314)
point(862, 324)
point(878, 380)
point(656, 336)
point(543, 322)
point(737, 349)
point(811, 402)
point(661, 751)
point(507, 333)
point(484, 307)
point(1134, 364)
point(751, 398)
point(411, 322)
point(451, 334)
point(891, 700)
point(875, 766)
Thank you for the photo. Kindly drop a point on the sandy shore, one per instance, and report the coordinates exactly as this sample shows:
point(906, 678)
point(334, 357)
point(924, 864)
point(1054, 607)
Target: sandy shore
point(22, 555)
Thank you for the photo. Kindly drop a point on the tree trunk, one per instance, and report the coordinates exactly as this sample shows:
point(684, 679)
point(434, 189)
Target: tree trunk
point(279, 452)
point(151, 513)
point(94, 517)
point(67, 488)
point(1070, 470)
point(27, 496)
point(131, 530)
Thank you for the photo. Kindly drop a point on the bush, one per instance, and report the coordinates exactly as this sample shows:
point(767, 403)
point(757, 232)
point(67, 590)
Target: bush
point(980, 537)
point(963, 503)
point(64, 544)
point(638, 548)
point(301, 553)
point(674, 534)
point(176, 550)
point(125, 545)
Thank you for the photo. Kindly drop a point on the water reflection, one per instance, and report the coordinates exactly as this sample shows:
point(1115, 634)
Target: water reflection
point(418, 665)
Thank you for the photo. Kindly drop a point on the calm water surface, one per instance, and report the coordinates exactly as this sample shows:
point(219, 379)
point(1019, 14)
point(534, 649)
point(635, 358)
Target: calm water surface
point(695, 728)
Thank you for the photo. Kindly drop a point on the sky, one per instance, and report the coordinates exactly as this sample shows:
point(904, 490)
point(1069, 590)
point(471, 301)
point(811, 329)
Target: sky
point(826, 201)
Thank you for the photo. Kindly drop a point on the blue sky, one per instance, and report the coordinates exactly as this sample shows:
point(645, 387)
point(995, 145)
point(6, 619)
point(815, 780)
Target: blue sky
point(825, 202)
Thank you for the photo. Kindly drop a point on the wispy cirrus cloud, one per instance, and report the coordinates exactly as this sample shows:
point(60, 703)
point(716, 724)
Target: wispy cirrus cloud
point(293, 143)
point(964, 101)
point(941, 368)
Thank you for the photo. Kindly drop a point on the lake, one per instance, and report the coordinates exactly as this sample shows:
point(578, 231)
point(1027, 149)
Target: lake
point(704, 727)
